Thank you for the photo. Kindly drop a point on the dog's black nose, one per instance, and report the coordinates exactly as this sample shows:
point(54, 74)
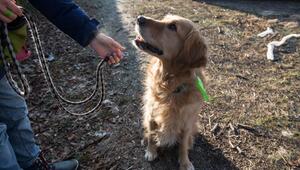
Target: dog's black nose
point(141, 20)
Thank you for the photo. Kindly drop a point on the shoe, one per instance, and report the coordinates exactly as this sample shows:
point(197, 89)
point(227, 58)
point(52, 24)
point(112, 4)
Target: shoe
point(65, 165)
point(41, 164)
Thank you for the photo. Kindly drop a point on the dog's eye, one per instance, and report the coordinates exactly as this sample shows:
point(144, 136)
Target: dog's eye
point(172, 27)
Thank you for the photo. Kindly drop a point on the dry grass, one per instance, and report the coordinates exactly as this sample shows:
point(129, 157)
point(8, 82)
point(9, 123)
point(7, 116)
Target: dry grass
point(246, 88)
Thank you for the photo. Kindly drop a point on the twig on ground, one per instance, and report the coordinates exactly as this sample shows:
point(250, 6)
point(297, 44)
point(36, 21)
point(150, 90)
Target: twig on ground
point(209, 121)
point(114, 167)
point(216, 128)
point(241, 77)
point(249, 128)
point(230, 143)
point(284, 159)
point(239, 149)
point(235, 147)
point(120, 29)
point(129, 168)
point(231, 127)
point(31, 109)
point(72, 154)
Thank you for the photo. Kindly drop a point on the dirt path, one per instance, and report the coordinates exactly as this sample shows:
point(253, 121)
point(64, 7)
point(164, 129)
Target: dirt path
point(119, 119)
point(73, 70)
point(71, 136)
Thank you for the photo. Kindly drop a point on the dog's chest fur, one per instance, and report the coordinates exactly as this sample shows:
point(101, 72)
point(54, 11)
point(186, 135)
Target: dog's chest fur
point(171, 112)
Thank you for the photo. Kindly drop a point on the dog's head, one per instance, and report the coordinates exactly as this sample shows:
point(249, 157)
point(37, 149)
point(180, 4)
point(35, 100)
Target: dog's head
point(173, 39)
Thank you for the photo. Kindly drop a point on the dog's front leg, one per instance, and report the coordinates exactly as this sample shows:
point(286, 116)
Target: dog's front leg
point(151, 151)
point(184, 161)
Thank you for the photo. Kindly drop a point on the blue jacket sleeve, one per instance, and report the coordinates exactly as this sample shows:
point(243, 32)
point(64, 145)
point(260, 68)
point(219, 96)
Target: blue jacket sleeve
point(69, 18)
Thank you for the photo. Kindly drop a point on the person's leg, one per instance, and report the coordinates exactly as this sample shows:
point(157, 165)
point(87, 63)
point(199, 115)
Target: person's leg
point(7, 154)
point(13, 113)
point(22, 140)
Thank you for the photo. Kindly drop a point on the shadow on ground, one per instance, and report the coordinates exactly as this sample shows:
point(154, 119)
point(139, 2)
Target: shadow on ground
point(80, 135)
point(247, 88)
point(203, 156)
point(289, 9)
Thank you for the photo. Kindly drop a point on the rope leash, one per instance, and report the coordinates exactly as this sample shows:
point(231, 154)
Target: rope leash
point(5, 42)
point(44, 66)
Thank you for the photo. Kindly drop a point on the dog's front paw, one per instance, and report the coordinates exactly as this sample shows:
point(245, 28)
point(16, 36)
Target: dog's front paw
point(187, 166)
point(150, 156)
point(142, 142)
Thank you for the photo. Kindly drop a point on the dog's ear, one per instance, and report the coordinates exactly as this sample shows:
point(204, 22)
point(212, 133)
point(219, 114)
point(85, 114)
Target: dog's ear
point(194, 53)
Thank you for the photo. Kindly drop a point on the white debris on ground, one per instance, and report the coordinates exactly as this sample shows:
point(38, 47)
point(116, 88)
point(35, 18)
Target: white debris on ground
point(287, 133)
point(112, 106)
point(271, 45)
point(50, 57)
point(265, 33)
point(102, 134)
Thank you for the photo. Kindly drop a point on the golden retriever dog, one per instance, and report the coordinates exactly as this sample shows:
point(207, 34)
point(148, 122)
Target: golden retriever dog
point(171, 99)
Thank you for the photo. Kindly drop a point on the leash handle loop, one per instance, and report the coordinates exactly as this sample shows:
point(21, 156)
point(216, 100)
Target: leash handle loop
point(44, 66)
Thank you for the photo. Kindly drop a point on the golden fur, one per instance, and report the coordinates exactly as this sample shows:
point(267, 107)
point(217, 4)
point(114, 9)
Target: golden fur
point(171, 100)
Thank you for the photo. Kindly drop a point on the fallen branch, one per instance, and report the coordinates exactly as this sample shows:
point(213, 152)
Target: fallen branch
point(271, 45)
point(266, 32)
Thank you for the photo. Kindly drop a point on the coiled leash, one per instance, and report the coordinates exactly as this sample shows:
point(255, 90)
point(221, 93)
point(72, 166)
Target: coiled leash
point(6, 43)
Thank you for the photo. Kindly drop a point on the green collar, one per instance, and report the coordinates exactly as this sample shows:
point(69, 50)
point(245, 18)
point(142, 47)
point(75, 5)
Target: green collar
point(201, 89)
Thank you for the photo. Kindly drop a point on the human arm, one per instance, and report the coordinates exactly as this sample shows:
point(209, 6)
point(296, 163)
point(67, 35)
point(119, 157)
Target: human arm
point(72, 20)
point(68, 17)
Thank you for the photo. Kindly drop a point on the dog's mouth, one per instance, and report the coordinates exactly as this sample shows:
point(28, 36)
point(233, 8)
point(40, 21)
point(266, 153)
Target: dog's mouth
point(145, 46)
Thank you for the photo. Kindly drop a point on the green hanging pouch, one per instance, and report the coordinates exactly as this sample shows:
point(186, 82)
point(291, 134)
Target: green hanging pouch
point(17, 33)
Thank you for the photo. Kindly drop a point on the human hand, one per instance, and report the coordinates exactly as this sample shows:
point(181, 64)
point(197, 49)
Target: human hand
point(105, 46)
point(9, 10)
